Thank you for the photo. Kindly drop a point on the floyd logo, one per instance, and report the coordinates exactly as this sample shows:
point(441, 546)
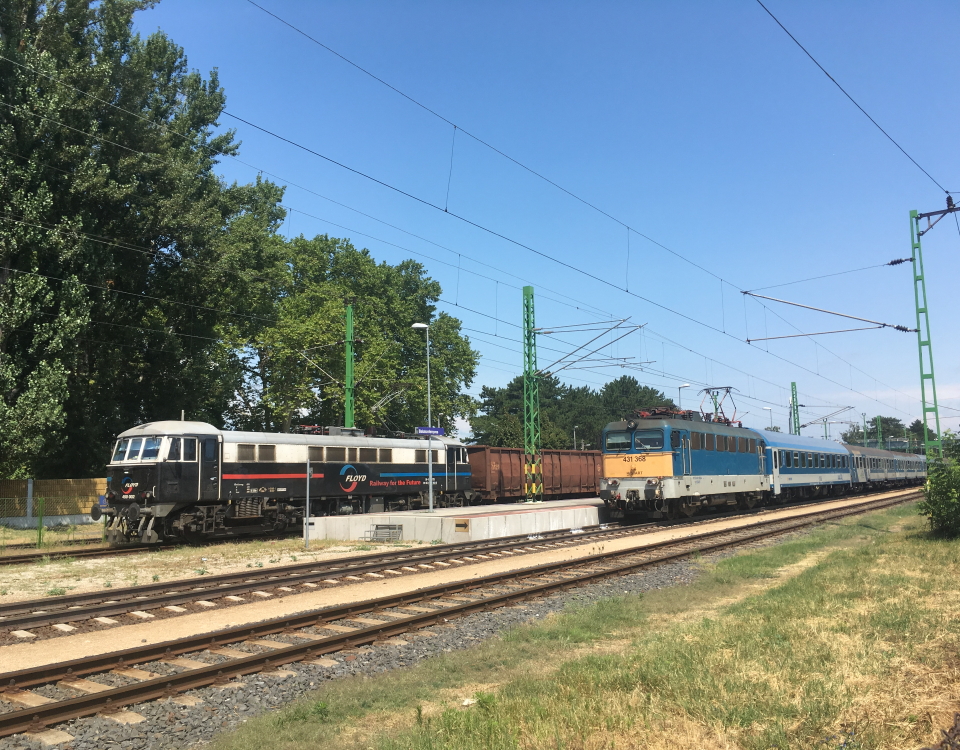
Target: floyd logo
point(128, 485)
point(350, 478)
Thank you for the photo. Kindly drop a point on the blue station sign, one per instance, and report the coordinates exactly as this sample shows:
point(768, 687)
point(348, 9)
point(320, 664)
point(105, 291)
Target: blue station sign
point(430, 431)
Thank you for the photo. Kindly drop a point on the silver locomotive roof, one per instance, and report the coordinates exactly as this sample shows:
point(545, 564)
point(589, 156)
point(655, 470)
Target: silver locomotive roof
point(200, 429)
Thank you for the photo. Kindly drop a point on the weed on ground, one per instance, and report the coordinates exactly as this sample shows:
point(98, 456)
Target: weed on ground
point(846, 637)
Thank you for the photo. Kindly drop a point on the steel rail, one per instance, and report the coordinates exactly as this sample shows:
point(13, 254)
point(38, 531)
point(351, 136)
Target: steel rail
point(39, 612)
point(73, 608)
point(111, 700)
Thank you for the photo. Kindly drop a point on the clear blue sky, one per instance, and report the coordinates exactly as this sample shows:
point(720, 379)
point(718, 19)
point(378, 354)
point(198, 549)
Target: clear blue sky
point(700, 125)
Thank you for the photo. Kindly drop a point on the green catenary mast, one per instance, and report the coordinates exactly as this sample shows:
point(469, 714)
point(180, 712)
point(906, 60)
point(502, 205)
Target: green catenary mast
point(794, 410)
point(348, 413)
point(928, 385)
point(533, 485)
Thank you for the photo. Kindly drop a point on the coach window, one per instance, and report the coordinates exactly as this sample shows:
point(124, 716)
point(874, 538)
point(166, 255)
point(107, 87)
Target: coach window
point(264, 452)
point(173, 452)
point(336, 454)
point(710, 443)
point(315, 452)
point(614, 441)
point(246, 452)
point(823, 463)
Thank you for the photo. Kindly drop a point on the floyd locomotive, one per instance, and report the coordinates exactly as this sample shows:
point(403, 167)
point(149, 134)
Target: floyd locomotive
point(189, 481)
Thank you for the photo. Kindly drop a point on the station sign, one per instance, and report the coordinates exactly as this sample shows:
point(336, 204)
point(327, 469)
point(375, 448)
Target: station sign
point(430, 431)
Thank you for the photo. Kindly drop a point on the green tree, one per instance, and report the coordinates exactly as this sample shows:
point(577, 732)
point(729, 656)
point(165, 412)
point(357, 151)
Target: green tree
point(941, 497)
point(292, 364)
point(111, 206)
point(563, 409)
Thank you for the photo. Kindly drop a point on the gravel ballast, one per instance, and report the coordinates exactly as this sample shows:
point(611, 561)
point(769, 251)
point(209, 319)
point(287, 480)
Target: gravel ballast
point(168, 724)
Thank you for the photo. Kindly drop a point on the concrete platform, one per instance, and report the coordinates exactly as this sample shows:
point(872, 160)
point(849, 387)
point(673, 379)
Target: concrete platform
point(467, 524)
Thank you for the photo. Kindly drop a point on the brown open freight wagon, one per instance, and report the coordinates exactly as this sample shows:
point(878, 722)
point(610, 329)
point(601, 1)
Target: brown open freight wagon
point(498, 473)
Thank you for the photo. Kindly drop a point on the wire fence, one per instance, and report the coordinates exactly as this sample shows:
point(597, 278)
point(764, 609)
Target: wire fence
point(24, 502)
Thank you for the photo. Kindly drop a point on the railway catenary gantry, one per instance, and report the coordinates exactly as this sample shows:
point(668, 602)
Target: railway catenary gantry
point(190, 481)
point(667, 463)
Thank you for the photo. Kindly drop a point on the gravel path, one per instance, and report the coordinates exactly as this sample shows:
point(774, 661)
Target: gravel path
point(172, 725)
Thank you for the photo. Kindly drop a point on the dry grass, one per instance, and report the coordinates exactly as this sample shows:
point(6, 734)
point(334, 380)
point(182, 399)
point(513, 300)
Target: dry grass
point(844, 638)
point(78, 575)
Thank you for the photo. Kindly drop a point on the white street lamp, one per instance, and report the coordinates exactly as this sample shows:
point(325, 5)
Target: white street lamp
point(426, 327)
point(680, 395)
point(769, 409)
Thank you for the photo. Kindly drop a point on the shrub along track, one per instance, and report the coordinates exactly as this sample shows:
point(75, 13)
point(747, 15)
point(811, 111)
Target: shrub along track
point(308, 636)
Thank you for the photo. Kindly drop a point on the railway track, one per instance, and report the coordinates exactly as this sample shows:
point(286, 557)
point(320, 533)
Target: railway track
point(166, 599)
point(167, 669)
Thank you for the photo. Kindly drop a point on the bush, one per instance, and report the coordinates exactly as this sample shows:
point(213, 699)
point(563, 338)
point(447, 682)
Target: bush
point(941, 501)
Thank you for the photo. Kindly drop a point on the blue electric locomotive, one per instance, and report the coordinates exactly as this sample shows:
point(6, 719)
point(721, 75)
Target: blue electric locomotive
point(667, 464)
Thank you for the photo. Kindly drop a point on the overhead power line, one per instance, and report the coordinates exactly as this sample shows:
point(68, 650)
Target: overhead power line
point(842, 89)
point(504, 237)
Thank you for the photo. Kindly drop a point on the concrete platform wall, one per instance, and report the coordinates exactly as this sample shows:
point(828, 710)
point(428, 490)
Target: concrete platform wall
point(465, 527)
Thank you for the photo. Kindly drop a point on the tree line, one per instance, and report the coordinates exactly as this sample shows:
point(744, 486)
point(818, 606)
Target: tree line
point(136, 284)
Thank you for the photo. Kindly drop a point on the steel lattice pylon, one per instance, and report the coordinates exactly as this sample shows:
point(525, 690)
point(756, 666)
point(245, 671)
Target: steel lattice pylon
point(533, 467)
point(794, 410)
point(928, 384)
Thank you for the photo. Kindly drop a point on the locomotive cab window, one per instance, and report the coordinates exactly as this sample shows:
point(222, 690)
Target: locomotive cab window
point(617, 441)
point(646, 440)
point(173, 452)
point(121, 451)
point(674, 439)
point(133, 453)
point(151, 448)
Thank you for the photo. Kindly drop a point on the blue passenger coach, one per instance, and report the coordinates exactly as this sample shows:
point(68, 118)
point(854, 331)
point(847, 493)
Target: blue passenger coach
point(803, 467)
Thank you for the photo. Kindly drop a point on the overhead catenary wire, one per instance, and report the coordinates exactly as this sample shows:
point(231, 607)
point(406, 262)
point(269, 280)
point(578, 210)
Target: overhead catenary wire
point(165, 129)
point(854, 101)
point(508, 239)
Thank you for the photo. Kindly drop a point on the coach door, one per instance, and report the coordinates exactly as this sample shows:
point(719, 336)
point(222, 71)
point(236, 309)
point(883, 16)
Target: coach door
point(209, 468)
point(451, 464)
point(775, 469)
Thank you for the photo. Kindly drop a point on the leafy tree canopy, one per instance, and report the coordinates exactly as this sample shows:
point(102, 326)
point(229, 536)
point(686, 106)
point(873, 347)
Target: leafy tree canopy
point(136, 283)
point(563, 409)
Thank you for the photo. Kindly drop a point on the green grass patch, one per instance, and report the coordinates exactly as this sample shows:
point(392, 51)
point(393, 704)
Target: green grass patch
point(843, 637)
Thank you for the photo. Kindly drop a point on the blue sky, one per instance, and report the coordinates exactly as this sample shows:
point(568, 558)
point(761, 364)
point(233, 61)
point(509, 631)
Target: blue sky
point(700, 125)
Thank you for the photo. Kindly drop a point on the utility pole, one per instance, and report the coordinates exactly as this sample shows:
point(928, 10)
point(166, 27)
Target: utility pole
point(348, 414)
point(533, 466)
point(932, 446)
point(794, 410)
point(879, 434)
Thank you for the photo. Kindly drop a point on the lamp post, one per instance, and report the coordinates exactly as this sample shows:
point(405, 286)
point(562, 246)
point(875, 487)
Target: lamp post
point(680, 395)
point(575, 436)
point(426, 327)
point(769, 409)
